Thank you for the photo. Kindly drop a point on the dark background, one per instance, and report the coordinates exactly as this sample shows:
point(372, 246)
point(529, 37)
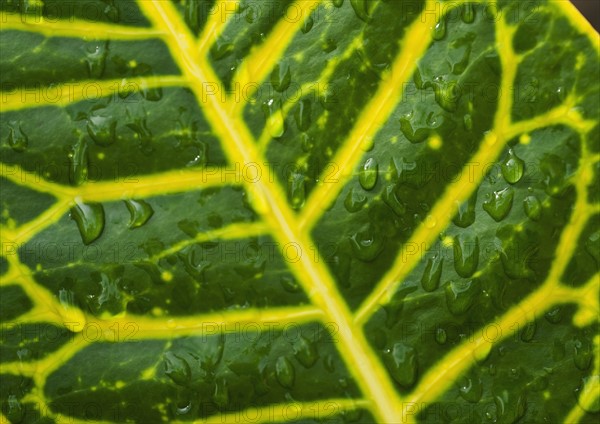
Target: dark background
point(590, 9)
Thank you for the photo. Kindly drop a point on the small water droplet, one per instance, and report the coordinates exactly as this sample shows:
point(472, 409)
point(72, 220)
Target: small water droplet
point(221, 393)
point(432, 273)
point(441, 336)
point(460, 295)
point(275, 121)
point(302, 115)
point(305, 352)
point(528, 331)
point(554, 316)
point(296, 190)
point(90, 220)
point(513, 167)
point(17, 139)
point(78, 160)
point(355, 200)
point(95, 57)
point(401, 362)
point(533, 207)
point(468, 13)
point(140, 212)
point(466, 255)
point(439, 31)
point(582, 354)
point(285, 372)
point(289, 284)
point(281, 77)
point(367, 244)
point(468, 122)
point(368, 174)
point(499, 203)
point(177, 369)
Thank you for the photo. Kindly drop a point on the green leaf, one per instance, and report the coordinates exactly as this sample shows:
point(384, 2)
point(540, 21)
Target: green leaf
point(299, 211)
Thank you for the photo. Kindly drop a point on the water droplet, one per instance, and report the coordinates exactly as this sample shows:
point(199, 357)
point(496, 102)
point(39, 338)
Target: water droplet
point(17, 139)
point(510, 407)
point(432, 273)
point(289, 284)
point(588, 397)
point(296, 190)
point(177, 369)
point(275, 121)
point(554, 316)
point(468, 13)
point(471, 388)
point(468, 122)
point(513, 167)
point(368, 174)
point(499, 203)
point(78, 159)
point(554, 170)
point(15, 413)
point(367, 244)
point(362, 9)
point(441, 336)
point(439, 31)
point(465, 215)
point(533, 207)
point(528, 331)
point(143, 134)
point(390, 199)
point(401, 362)
point(466, 255)
point(305, 352)
point(447, 95)
point(460, 295)
point(308, 24)
point(95, 57)
point(281, 77)
point(582, 354)
point(285, 372)
point(302, 115)
point(90, 220)
point(140, 212)
point(102, 129)
point(221, 49)
point(338, 3)
point(414, 136)
point(221, 393)
point(152, 94)
point(354, 201)
point(329, 363)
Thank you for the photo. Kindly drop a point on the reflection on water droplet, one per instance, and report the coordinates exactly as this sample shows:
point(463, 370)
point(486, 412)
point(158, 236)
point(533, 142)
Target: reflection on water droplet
point(95, 57)
point(439, 31)
point(221, 393)
point(102, 129)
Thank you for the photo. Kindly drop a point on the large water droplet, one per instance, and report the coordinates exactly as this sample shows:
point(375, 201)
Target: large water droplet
point(355, 200)
point(432, 273)
point(465, 215)
point(588, 397)
point(285, 372)
point(78, 160)
point(439, 31)
point(297, 190)
point(499, 203)
point(95, 57)
point(302, 115)
point(90, 220)
point(305, 352)
point(367, 244)
point(281, 77)
point(102, 129)
point(368, 174)
point(275, 121)
point(17, 139)
point(533, 207)
point(466, 255)
point(460, 295)
point(177, 369)
point(401, 362)
point(513, 167)
point(140, 212)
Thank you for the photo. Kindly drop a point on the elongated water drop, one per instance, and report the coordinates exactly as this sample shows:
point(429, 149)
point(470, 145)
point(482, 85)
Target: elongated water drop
point(513, 167)
point(439, 31)
point(275, 121)
point(305, 352)
point(499, 203)
point(281, 77)
point(368, 174)
point(468, 122)
point(90, 220)
point(468, 13)
point(308, 24)
point(177, 369)
point(466, 255)
point(302, 115)
point(401, 361)
point(441, 336)
point(297, 190)
point(78, 160)
point(285, 372)
point(95, 57)
point(17, 139)
point(140, 212)
point(460, 295)
point(533, 207)
point(465, 216)
point(221, 393)
point(432, 273)
point(355, 200)
point(102, 129)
